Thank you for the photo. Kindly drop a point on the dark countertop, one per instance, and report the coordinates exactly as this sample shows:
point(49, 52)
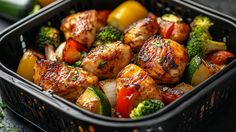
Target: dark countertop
point(223, 120)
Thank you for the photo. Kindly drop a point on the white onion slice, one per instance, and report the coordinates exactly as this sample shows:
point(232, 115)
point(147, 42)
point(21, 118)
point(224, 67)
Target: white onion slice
point(109, 88)
point(59, 51)
point(49, 52)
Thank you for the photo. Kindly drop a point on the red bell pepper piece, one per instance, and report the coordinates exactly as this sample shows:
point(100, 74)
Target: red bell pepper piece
point(72, 51)
point(125, 100)
point(168, 30)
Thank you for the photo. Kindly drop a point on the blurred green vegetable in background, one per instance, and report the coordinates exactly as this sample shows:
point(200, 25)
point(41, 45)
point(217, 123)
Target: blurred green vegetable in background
point(14, 10)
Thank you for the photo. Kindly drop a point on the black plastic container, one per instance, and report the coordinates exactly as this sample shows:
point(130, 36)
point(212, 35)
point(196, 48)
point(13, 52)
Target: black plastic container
point(52, 113)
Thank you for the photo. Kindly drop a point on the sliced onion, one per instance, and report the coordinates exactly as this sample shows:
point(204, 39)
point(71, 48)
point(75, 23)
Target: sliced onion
point(59, 51)
point(49, 52)
point(109, 88)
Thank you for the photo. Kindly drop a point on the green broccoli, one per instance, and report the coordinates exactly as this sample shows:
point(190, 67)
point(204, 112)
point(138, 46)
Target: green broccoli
point(108, 34)
point(202, 21)
point(48, 35)
point(146, 107)
point(200, 41)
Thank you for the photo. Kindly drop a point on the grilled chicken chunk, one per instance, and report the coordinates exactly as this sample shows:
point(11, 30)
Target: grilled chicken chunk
point(106, 61)
point(65, 81)
point(180, 32)
point(132, 76)
point(164, 59)
point(139, 32)
point(82, 26)
point(177, 31)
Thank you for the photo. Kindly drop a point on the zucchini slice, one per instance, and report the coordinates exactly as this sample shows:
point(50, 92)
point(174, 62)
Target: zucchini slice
point(171, 18)
point(94, 100)
point(198, 71)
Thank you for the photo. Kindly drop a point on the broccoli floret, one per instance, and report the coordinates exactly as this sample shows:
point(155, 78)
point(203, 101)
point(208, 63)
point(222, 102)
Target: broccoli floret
point(146, 107)
point(202, 21)
point(48, 35)
point(108, 34)
point(200, 43)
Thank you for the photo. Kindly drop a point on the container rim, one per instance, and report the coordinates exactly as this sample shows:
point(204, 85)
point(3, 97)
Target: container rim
point(165, 113)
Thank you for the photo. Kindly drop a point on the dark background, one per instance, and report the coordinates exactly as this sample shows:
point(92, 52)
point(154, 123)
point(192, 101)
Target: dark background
point(223, 121)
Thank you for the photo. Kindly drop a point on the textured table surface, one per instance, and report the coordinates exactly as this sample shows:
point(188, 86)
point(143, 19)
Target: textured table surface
point(223, 121)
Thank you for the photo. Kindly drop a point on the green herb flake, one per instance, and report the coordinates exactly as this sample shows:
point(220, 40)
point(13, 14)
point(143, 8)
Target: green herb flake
point(102, 64)
point(158, 44)
point(66, 70)
point(135, 59)
point(76, 72)
point(71, 66)
point(73, 78)
point(159, 59)
point(78, 63)
point(168, 43)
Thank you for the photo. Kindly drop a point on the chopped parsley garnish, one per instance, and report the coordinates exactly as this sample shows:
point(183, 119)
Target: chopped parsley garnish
point(70, 66)
point(135, 59)
point(168, 43)
point(73, 78)
point(66, 71)
point(102, 64)
point(76, 72)
point(158, 44)
point(78, 63)
point(159, 60)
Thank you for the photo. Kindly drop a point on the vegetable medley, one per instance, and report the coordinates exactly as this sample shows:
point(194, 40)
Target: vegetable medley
point(122, 63)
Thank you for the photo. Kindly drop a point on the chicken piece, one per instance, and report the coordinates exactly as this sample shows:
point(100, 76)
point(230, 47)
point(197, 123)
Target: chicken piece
point(134, 85)
point(177, 31)
point(106, 61)
point(139, 32)
point(164, 59)
point(82, 26)
point(65, 81)
point(180, 32)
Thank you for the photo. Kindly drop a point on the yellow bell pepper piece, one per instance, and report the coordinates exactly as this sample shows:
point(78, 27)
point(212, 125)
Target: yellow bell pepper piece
point(126, 13)
point(26, 65)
